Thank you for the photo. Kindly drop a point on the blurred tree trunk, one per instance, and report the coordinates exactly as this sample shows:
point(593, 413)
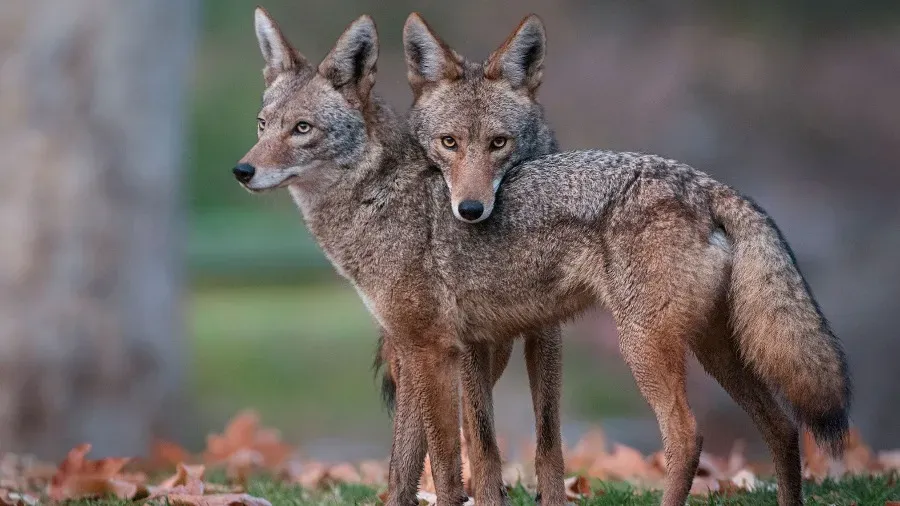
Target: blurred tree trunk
point(91, 128)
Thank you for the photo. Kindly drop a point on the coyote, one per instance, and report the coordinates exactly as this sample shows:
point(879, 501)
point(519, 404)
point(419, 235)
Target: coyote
point(683, 262)
point(490, 121)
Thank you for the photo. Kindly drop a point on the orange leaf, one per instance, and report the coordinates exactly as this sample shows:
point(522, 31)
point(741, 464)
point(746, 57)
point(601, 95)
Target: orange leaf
point(215, 500)
point(167, 453)
point(426, 482)
point(244, 446)
point(589, 448)
point(858, 457)
point(190, 477)
point(704, 485)
point(309, 475)
point(343, 473)
point(77, 477)
point(373, 472)
point(622, 463)
point(577, 487)
point(816, 463)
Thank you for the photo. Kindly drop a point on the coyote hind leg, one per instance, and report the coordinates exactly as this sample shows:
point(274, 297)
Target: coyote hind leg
point(717, 353)
point(657, 360)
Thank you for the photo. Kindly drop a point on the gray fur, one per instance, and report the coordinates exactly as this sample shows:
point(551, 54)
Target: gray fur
point(635, 233)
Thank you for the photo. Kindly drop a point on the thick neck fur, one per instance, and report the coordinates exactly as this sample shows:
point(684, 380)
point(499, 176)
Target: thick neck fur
point(343, 206)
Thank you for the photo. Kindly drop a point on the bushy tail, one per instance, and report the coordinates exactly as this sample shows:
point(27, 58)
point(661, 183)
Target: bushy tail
point(780, 329)
point(382, 364)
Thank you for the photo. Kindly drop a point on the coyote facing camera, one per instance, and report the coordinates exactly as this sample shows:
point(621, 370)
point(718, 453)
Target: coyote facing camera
point(483, 119)
point(683, 262)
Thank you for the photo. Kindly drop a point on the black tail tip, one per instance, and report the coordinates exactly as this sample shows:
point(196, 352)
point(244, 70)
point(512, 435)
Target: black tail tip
point(388, 392)
point(830, 430)
point(388, 385)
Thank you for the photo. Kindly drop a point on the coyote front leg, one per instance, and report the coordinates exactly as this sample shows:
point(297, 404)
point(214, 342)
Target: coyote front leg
point(408, 444)
point(432, 365)
point(482, 364)
point(543, 356)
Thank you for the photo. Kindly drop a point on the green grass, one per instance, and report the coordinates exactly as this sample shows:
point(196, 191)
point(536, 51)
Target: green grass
point(858, 491)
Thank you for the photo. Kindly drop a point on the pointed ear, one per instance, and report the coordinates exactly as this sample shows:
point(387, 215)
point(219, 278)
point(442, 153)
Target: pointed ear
point(428, 59)
point(520, 60)
point(350, 66)
point(280, 56)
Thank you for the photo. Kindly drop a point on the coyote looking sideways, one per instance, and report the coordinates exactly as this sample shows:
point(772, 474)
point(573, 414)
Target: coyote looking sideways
point(682, 261)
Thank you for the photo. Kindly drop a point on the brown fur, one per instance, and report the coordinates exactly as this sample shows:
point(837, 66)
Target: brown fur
point(517, 113)
point(670, 251)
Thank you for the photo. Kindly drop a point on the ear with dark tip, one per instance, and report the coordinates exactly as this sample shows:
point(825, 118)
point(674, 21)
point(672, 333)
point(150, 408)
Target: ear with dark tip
point(520, 60)
point(280, 56)
point(351, 64)
point(428, 59)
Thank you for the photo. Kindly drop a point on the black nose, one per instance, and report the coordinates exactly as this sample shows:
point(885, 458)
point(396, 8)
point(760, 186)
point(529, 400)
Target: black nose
point(470, 209)
point(243, 172)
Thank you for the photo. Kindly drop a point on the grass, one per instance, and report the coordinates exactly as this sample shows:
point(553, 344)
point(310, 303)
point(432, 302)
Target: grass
point(855, 491)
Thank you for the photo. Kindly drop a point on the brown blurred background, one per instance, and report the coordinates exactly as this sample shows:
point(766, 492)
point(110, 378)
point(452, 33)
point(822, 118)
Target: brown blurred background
point(143, 293)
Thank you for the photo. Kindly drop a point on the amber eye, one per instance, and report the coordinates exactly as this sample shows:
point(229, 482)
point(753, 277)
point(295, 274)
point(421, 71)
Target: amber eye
point(302, 128)
point(498, 142)
point(260, 124)
point(448, 142)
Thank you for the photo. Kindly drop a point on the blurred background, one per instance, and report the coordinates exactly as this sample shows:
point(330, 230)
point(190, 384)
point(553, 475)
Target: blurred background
point(144, 294)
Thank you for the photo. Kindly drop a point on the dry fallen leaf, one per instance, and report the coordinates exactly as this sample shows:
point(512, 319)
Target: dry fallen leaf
point(816, 463)
point(168, 454)
point(518, 473)
point(77, 477)
point(187, 488)
point(244, 447)
point(373, 472)
point(703, 485)
point(315, 475)
point(858, 457)
point(343, 473)
point(745, 479)
point(308, 475)
point(577, 487)
point(24, 472)
point(426, 498)
point(189, 477)
point(589, 448)
point(736, 458)
point(430, 499)
point(622, 463)
point(426, 482)
point(708, 467)
point(212, 500)
point(10, 498)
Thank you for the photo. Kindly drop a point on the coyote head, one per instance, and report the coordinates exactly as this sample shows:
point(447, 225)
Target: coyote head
point(475, 121)
point(309, 114)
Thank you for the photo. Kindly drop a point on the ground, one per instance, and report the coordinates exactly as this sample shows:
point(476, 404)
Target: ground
point(861, 491)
